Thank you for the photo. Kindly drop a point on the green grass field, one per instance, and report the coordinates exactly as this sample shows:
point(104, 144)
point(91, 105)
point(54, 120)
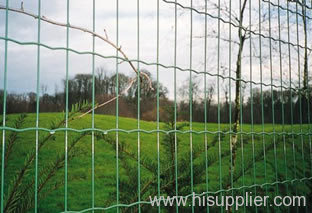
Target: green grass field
point(287, 157)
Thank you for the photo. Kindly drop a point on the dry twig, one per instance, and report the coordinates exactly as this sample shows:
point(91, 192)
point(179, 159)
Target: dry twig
point(131, 82)
point(104, 38)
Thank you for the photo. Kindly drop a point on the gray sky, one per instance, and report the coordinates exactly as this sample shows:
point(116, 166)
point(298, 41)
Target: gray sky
point(22, 60)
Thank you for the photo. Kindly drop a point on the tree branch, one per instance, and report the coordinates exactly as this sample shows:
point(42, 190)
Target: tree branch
point(45, 19)
point(131, 82)
point(104, 38)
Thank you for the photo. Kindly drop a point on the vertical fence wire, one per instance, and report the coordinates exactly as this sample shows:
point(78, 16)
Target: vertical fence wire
point(4, 99)
point(241, 110)
point(175, 101)
point(218, 86)
point(282, 92)
point(37, 106)
point(191, 99)
point(117, 106)
point(157, 116)
point(299, 88)
point(261, 94)
point(309, 113)
point(93, 105)
point(291, 96)
point(230, 98)
point(272, 96)
point(138, 104)
point(66, 110)
point(205, 103)
point(252, 129)
point(299, 85)
point(296, 149)
point(299, 82)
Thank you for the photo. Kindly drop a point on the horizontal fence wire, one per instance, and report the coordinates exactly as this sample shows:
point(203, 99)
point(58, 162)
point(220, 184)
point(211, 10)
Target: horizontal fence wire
point(153, 64)
point(53, 131)
point(229, 143)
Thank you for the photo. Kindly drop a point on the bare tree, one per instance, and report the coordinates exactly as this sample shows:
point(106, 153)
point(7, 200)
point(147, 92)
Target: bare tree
point(305, 34)
point(242, 39)
point(305, 67)
point(210, 93)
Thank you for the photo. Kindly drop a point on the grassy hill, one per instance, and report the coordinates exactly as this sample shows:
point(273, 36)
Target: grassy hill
point(287, 157)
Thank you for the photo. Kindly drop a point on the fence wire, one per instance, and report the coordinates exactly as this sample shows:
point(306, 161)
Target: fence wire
point(222, 167)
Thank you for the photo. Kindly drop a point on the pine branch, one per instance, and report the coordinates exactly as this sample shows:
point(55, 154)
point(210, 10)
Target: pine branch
point(122, 149)
point(28, 162)
point(47, 174)
point(13, 137)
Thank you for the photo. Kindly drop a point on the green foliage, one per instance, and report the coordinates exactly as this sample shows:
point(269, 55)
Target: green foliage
point(20, 193)
point(17, 123)
point(51, 163)
point(80, 106)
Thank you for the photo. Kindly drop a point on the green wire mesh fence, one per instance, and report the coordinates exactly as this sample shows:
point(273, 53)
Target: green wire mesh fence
point(238, 125)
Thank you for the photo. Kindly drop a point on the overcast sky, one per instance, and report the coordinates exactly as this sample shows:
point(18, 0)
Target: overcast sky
point(22, 60)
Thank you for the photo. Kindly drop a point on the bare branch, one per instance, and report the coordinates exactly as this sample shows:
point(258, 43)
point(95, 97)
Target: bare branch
point(106, 34)
point(131, 82)
point(216, 37)
point(230, 14)
point(45, 19)
point(300, 3)
point(105, 39)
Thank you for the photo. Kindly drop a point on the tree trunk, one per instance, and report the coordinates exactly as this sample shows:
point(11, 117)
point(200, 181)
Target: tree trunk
point(233, 139)
point(305, 66)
